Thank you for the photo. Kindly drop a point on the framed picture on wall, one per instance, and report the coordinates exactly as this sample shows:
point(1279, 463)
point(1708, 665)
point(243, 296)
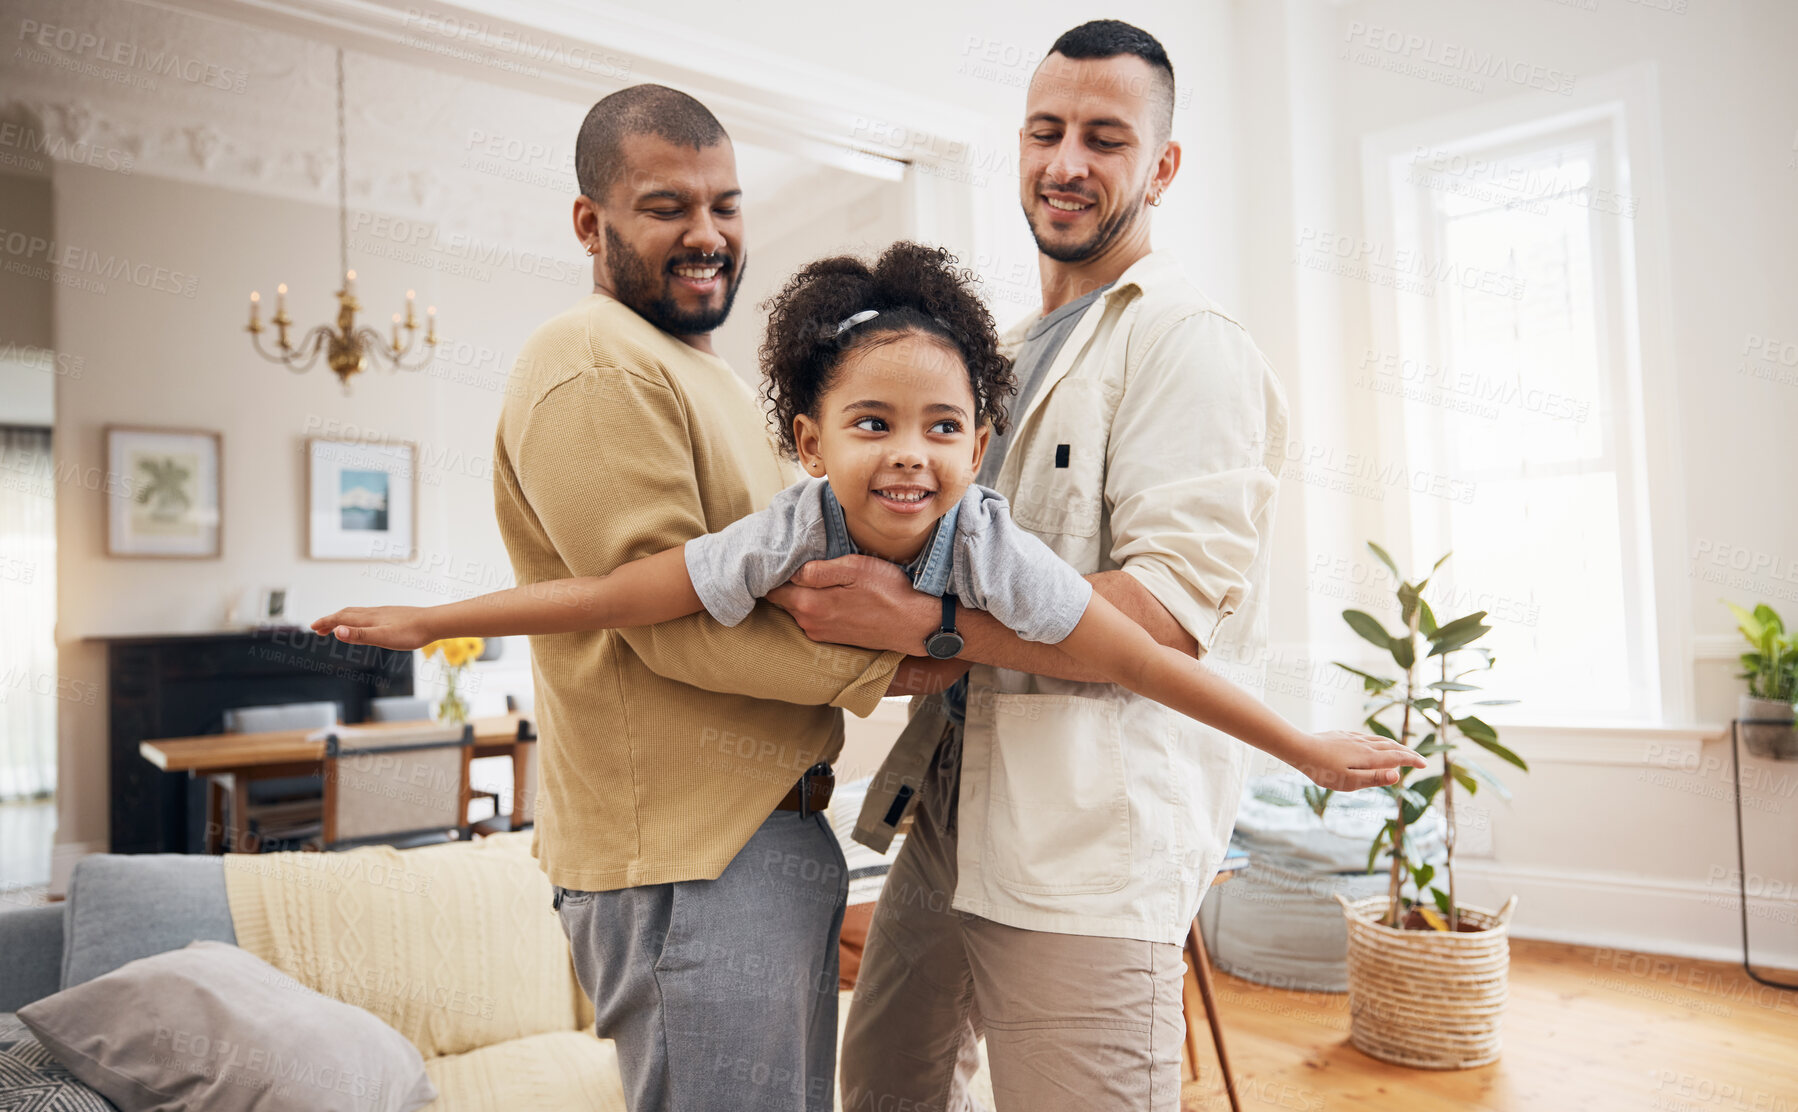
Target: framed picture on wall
point(163, 492)
point(362, 499)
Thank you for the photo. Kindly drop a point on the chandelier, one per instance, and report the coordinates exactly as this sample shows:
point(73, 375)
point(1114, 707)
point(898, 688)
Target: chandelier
point(346, 347)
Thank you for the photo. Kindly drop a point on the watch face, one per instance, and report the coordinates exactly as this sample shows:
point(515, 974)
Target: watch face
point(942, 644)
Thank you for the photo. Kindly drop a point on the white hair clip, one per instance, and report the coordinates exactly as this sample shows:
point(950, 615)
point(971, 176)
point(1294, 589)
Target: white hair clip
point(854, 319)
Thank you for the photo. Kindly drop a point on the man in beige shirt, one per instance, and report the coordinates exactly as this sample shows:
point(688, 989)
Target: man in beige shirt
point(700, 889)
point(1065, 830)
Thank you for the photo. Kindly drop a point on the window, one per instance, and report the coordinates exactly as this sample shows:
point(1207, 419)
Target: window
point(1513, 371)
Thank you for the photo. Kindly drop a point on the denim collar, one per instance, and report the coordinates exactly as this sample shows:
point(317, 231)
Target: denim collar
point(928, 573)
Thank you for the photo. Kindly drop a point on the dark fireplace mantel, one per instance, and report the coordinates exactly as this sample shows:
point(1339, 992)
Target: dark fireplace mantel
point(180, 684)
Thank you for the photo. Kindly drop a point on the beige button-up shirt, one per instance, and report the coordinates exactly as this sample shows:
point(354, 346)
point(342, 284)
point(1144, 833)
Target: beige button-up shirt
point(1154, 445)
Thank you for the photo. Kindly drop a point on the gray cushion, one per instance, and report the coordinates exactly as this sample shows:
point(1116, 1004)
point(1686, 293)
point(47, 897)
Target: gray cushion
point(399, 708)
point(30, 1078)
point(30, 955)
point(122, 907)
point(215, 1027)
point(280, 716)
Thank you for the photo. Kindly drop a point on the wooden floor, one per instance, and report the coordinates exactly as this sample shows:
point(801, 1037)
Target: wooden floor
point(1586, 1030)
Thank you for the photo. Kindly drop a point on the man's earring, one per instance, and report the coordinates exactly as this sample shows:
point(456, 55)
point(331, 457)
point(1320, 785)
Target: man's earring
point(590, 249)
point(1154, 200)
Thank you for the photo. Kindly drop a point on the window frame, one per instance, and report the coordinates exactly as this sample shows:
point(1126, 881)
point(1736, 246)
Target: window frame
point(1621, 110)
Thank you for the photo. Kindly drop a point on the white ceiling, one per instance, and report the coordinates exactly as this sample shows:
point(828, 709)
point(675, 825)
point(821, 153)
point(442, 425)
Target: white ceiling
point(462, 152)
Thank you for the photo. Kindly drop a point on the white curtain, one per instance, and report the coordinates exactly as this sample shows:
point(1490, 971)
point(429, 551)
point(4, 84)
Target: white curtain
point(27, 613)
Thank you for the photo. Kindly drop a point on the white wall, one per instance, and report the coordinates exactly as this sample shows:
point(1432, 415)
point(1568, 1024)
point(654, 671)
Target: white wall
point(1602, 842)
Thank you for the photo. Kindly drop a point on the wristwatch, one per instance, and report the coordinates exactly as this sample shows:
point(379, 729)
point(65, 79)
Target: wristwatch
point(945, 642)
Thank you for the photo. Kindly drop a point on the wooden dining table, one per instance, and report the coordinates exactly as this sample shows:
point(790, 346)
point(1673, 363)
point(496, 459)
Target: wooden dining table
point(236, 759)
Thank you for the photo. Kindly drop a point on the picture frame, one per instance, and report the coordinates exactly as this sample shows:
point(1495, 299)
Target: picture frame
point(273, 605)
point(164, 492)
point(361, 499)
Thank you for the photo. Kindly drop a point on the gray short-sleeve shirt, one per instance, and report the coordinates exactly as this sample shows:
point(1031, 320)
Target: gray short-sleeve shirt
point(977, 554)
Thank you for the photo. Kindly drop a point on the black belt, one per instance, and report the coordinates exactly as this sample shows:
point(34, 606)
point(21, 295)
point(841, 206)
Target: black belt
point(811, 792)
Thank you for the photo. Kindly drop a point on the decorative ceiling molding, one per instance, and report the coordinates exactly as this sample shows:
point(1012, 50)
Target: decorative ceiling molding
point(468, 130)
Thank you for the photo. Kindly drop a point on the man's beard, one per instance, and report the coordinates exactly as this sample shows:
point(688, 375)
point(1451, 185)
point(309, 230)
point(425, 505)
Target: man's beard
point(1101, 239)
point(636, 285)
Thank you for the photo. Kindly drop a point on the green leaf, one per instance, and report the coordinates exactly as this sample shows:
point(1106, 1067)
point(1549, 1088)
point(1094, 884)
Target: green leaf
point(1459, 633)
point(1425, 789)
point(1431, 748)
point(1768, 619)
point(1422, 874)
point(1426, 618)
point(1371, 683)
point(1750, 626)
point(1385, 559)
point(1368, 627)
point(1442, 903)
point(1374, 725)
point(1441, 561)
point(1476, 729)
point(1318, 799)
point(1407, 602)
point(1465, 779)
point(1379, 840)
point(1489, 742)
point(1404, 653)
point(1428, 702)
point(1450, 685)
point(1484, 777)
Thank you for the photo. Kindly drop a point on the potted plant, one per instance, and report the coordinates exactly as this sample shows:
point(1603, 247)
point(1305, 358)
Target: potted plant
point(1428, 978)
point(1765, 710)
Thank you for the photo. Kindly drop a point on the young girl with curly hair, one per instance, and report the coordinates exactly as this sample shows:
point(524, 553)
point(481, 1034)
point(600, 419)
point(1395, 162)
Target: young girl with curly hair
point(885, 383)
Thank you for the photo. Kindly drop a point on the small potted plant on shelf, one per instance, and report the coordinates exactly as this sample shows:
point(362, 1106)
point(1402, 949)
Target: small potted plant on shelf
point(1765, 711)
point(1427, 976)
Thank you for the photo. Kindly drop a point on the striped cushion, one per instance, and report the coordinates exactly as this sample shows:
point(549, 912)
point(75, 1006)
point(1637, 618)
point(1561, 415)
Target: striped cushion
point(32, 1080)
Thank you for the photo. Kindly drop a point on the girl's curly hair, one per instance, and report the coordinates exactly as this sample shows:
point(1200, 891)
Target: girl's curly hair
point(914, 289)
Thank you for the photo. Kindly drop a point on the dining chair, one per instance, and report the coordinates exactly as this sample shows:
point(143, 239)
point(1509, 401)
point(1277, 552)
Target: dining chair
point(417, 708)
point(524, 764)
point(280, 808)
point(399, 787)
point(399, 708)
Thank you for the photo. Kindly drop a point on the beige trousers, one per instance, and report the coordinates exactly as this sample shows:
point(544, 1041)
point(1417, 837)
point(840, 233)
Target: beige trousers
point(1070, 1021)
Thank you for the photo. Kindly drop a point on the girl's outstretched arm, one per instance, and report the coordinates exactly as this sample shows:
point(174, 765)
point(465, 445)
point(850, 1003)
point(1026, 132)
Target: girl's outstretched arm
point(1111, 643)
point(643, 592)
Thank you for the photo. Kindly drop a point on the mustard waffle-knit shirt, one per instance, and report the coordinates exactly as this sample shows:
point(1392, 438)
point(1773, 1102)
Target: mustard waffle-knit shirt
point(661, 748)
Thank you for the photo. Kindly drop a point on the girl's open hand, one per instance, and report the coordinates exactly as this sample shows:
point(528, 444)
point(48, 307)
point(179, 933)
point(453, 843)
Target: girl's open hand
point(1346, 761)
point(390, 627)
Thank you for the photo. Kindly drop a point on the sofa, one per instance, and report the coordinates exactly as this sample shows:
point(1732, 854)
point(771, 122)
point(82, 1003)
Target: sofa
point(455, 946)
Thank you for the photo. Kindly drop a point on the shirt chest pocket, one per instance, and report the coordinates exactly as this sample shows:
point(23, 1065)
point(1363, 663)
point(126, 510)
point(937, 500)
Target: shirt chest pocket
point(1061, 472)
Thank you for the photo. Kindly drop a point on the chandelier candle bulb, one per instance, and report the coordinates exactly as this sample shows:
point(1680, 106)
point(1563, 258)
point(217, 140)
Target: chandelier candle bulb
point(345, 346)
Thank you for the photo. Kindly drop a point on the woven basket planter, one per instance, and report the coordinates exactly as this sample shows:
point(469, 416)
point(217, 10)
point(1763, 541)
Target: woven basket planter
point(1428, 999)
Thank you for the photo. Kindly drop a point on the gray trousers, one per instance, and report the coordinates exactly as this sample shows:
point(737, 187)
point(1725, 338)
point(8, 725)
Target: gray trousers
point(722, 994)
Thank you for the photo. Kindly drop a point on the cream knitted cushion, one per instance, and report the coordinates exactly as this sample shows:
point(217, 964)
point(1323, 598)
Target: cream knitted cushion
point(563, 1071)
point(455, 946)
